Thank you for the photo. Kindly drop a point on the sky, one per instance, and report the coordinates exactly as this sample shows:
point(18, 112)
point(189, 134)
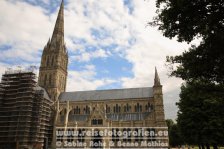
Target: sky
point(108, 41)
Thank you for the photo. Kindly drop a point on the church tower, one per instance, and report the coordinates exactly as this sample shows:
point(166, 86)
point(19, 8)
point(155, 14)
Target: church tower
point(54, 61)
point(158, 102)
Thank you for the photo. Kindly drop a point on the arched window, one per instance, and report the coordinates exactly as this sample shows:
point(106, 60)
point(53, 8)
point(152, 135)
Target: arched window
point(76, 110)
point(146, 107)
point(47, 61)
point(127, 108)
point(45, 79)
point(138, 108)
point(50, 78)
point(117, 109)
point(84, 110)
point(149, 107)
point(107, 109)
point(87, 110)
point(52, 61)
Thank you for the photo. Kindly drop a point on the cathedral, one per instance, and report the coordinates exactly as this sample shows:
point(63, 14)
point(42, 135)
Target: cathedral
point(116, 110)
point(119, 109)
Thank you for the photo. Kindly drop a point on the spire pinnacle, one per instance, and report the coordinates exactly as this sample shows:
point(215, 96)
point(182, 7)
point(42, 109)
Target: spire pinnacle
point(58, 34)
point(156, 79)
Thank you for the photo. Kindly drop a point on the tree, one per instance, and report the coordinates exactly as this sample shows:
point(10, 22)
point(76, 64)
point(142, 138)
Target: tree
point(175, 139)
point(205, 62)
point(188, 20)
point(200, 115)
point(202, 67)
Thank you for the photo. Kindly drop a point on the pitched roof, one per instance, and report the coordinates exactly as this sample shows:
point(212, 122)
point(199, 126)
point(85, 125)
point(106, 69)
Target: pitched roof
point(38, 88)
point(127, 93)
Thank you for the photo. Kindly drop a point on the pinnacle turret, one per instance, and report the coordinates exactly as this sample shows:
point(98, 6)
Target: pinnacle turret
point(156, 79)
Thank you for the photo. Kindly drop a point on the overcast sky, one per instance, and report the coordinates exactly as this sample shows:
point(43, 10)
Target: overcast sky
point(109, 43)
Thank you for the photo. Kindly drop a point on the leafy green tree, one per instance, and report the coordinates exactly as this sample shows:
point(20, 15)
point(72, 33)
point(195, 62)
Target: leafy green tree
point(200, 115)
point(205, 62)
point(187, 20)
point(175, 139)
point(169, 123)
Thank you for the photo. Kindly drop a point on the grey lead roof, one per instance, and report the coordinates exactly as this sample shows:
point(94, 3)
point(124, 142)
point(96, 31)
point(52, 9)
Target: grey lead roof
point(38, 88)
point(128, 93)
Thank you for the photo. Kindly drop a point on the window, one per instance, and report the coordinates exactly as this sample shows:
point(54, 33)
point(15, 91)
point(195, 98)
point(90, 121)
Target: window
point(50, 78)
point(52, 61)
point(87, 110)
point(97, 122)
point(149, 107)
point(100, 122)
point(47, 61)
point(107, 109)
point(76, 110)
point(138, 108)
point(45, 79)
point(127, 108)
point(117, 109)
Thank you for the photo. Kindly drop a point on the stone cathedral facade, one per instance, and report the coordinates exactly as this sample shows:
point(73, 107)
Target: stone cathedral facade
point(116, 109)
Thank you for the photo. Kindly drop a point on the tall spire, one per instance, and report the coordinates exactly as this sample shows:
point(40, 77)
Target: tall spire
point(58, 34)
point(54, 61)
point(156, 79)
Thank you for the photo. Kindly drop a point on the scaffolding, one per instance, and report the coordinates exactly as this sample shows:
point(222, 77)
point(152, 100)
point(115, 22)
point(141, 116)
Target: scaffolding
point(25, 111)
